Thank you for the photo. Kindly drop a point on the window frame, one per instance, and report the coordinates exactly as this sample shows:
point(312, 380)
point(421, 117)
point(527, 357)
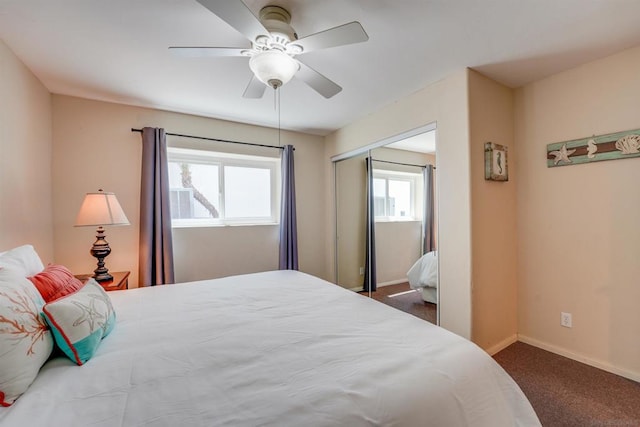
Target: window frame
point(222, 160)
point(414, 179)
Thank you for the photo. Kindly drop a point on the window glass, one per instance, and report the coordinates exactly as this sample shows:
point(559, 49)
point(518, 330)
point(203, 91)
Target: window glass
point(194, 190)
point(380, 197)
point(246, 192)
point(208, 188)
point(399, 198)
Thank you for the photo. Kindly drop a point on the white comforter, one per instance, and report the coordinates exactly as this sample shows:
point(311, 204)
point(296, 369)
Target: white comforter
point(271, 349)
point(424, 272)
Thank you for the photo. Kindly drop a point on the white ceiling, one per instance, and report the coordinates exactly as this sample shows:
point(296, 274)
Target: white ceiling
point(116, 50)
point(422, 143)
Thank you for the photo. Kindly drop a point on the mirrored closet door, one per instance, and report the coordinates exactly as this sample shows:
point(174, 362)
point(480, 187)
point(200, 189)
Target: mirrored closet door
point(350, 204)
point(403, 234)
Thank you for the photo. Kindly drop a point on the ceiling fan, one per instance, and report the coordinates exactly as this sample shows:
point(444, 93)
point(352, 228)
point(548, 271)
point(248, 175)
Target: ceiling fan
point(274, 46)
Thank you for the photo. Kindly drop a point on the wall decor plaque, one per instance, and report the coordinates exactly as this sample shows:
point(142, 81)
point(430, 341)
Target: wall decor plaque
point(495, 162)
point(612, 146)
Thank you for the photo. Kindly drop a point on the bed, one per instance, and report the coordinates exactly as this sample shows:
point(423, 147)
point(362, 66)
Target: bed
point(279, 348)
point(423, 276)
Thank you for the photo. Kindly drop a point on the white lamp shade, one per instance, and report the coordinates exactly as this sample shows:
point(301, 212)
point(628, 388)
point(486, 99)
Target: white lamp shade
point(101, 208)
point(273, 65)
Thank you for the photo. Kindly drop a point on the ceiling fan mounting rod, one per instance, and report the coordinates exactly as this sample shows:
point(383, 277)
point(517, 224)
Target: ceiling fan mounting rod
point(277, 20)
point(277, 13)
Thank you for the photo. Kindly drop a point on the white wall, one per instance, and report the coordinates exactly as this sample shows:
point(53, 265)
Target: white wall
point(578, 229)
point(25, 158)
point(95, 148)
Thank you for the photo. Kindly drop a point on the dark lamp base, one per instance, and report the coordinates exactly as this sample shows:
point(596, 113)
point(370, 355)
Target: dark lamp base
point(102, 277)
point(100, 250)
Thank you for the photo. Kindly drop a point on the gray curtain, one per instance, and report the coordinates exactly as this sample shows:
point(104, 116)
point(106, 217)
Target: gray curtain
point(156, 245)
point(428, 226)
point(288, 225)
point(370, 279)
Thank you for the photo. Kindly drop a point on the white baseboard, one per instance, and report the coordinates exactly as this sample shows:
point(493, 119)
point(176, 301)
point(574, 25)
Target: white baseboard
point(600, 364)
point(502, 345)
point(393, 282)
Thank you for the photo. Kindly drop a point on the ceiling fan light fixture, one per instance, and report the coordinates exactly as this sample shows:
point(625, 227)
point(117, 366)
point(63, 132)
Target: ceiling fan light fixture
point(273, 68)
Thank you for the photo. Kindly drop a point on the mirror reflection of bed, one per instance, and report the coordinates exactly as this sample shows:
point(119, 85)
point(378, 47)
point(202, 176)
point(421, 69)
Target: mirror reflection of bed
point(406, 270)
point(423, 277)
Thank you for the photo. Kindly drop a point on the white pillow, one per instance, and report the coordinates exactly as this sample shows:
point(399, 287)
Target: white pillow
point(23, 259)
point(25, 339)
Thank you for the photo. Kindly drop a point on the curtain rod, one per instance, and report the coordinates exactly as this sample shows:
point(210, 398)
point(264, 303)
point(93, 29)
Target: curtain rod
point(402, 164)
point(217, 140)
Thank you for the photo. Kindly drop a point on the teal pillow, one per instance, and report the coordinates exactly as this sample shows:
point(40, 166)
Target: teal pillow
point(79, 321)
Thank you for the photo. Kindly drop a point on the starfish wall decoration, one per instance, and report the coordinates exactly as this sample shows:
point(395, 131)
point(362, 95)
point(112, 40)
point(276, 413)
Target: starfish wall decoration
point(612, 146)
point(562, 155)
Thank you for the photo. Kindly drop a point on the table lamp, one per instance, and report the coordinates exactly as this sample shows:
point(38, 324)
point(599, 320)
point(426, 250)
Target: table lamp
point(101, 208)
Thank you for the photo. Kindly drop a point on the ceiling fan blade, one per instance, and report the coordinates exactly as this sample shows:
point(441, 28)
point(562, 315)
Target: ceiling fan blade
point(317, 81)
point(255, 88)
point(337, 36)
point(238, 15)
point(203, 51)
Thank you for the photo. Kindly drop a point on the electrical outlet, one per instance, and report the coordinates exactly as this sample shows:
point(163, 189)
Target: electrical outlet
point(565, 319)
point(362, 271)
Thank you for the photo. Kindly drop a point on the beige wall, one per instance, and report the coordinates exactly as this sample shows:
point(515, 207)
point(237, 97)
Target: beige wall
point(493, 217)
point(398, 247)
point(351, 182)
point(95, 148)
point(25, 158)
point(444, 102)
point(578, 229)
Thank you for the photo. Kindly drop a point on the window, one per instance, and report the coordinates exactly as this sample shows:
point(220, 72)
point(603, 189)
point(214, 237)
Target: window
point(396, 195)
point(211, 188)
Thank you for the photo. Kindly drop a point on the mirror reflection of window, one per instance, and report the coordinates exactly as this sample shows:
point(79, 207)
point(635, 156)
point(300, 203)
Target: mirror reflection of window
point(399, 198)
point(395, 195)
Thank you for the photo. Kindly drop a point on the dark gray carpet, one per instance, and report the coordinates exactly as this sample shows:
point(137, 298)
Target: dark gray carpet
point(564, 392)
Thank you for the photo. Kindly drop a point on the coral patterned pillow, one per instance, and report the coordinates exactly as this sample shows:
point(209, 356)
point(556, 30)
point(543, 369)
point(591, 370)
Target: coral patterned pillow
point(79, 321)
point(54, 282)
point(25, 339)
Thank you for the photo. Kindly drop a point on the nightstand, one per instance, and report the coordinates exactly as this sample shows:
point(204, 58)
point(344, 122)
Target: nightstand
point(120, 280)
